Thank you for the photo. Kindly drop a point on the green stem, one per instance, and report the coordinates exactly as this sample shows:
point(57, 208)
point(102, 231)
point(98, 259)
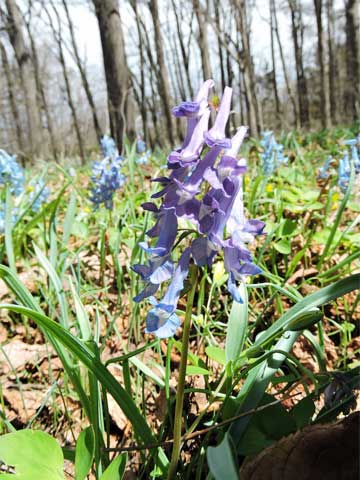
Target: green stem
point(181, 380)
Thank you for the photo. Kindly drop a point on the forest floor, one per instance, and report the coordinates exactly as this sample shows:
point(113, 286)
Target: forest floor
point(92, 254)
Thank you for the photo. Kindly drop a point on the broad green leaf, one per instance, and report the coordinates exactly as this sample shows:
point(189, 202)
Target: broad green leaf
point(237, 326)
point(79, 229)
point(216, 353)
point(310, 195)
point(283, 246)
point(222, 462)
point(315, 206)
point(265, 427)
point(303, 412)
point(288, 227)
point(322, 236)
point(116, 469)
point(84, 453)
point(195, 370)
point(35, 455)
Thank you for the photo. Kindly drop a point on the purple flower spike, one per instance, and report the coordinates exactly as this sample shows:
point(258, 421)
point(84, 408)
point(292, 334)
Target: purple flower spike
point(162, 320)
point(192, 151)
point(186, 109)
point(159, 270)
point(207, 192)
point(166, 230)
point(216, 135)
point(236, 142)
point(203, 251)
point(194, 110)
point(198, 106)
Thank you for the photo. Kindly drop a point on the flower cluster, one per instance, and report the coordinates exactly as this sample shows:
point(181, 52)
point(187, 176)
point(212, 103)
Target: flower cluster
point(14, 217)
point(346, 162)
point(12, 176)
point(203, 195)
point(324, 171)
point(273, 154)
point(108, 147)
point(106, 174)
point(354, 144)
point(11, 173)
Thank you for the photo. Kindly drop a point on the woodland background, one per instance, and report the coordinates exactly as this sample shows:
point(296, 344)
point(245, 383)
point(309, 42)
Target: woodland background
point(54, 102)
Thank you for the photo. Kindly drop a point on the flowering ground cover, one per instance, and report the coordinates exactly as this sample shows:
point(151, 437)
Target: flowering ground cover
point(173, 313)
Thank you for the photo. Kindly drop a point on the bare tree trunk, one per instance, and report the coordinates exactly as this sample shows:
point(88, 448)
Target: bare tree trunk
point(203, 39)
point(297, 29)
point(352, 95)
point(286, 77)
point(41, 90)
point(142, 100)
point(153, 110)
point(184, 51)
point(332, 59)
point(324, 80)
point(162, 72)
point(27, 78)
point(59, 40)
point(247, 68)
point(82, 72)
point(273, 76)
point(12, 101)
point(115, 66)
point(220, 49)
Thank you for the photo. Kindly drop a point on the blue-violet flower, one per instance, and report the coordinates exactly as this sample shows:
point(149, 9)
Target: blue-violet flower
point(203, 194)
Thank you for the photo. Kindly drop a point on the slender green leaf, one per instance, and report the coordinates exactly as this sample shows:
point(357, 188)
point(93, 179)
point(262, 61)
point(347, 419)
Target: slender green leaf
point(56, 282)
point(9, 229)
point(321, 297)
point(237, 326)
point(89, 359)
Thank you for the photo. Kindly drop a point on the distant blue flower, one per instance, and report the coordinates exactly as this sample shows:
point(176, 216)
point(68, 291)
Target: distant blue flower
point(354, 143)
point(2, 219)
point(140, 146)
point(11, 173)
point(273, 154)
point(143, 159)
point(206, 191)
point(323, 173)
point(39, 193)
point(347, 161)
point(144, 153)
point(106, 176)
point(344, 173)
point(14, 217)
point(108, 147)
point(106, 180)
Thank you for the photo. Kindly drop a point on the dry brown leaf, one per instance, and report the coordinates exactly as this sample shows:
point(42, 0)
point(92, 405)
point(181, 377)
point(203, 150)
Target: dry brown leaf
point(328, 451)
point(16, 354)
point(22, 405)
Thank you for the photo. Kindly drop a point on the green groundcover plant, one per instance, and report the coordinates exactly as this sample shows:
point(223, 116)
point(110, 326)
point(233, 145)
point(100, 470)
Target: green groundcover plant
point(217, 265)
